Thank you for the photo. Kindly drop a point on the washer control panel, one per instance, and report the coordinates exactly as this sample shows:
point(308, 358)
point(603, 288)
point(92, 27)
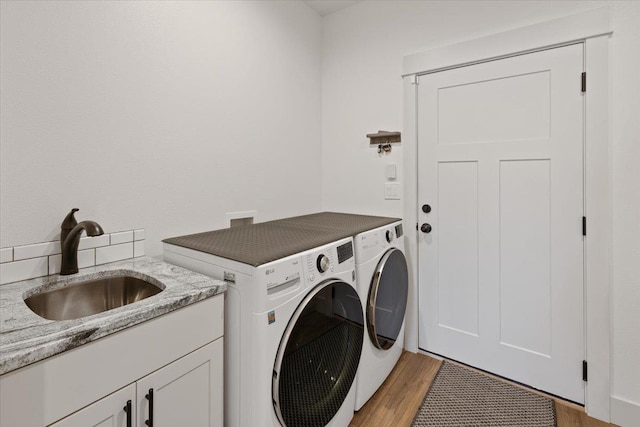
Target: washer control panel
point(319, 263)
point(323, 263)
point(327, 260)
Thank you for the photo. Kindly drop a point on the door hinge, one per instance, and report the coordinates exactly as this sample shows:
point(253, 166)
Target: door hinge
point(584, 81)
point(584, 370)
point(584, 225)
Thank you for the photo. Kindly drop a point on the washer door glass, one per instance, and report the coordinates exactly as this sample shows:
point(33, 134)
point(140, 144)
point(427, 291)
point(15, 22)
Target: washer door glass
point(387, 299)
point(318, 356)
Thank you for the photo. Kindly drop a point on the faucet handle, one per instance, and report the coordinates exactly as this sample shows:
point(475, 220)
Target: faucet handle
point(67, 224)
point(69, 221)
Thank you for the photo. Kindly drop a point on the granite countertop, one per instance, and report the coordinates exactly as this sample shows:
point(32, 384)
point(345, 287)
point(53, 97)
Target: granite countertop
point(26, 338)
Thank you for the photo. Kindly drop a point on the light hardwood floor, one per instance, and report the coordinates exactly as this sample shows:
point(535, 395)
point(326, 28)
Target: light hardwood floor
point(398, 399)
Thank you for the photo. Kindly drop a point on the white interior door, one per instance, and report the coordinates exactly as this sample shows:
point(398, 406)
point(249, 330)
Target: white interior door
point(500, 163)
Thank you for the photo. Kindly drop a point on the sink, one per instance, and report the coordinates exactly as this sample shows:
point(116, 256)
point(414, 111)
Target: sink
point(90, 297)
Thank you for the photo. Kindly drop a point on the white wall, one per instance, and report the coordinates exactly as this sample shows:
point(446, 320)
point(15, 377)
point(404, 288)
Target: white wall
point(625, 137)
point(363, 47)
point(157, 115)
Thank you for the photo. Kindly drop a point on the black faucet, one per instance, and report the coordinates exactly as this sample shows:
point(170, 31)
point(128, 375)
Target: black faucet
point(70, 239)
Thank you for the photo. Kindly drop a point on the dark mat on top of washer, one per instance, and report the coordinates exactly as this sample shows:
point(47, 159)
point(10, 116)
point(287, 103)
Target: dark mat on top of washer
point(264, 242)
point(255, 244)
point(349, 224)
point(461, 397)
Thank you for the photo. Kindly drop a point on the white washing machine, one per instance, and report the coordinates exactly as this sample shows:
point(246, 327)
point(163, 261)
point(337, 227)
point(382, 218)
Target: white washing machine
point(383, 286)
point(294, 330)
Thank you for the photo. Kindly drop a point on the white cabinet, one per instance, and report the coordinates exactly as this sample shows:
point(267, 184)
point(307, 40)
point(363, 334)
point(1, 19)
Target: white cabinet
point(186, 392)
point(110, 411)
point(179, 355)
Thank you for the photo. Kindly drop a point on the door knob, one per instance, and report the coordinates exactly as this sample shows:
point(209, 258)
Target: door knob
point(425, 228)
point(426, 208)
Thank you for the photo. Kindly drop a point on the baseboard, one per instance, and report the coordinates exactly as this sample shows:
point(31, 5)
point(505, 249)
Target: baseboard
point(624, 413)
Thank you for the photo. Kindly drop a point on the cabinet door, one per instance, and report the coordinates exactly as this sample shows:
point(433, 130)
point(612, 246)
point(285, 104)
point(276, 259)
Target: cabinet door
point(187, 392)
point(110, 411)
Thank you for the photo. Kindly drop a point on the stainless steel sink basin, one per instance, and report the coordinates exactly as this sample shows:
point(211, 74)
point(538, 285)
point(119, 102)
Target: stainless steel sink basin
point(90, 297)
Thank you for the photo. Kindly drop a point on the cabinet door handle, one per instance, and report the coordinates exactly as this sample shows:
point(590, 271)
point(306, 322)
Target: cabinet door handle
point(127, 409)
point(149, 397)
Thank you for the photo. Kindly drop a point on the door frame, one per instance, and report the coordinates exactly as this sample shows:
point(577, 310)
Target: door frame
point(591, 28)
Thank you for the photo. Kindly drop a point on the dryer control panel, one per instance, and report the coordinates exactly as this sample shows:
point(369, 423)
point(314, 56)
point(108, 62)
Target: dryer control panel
point(393, 233)
point(370, 244)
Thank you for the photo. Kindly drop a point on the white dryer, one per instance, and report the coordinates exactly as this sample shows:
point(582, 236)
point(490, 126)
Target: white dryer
point(383, 286)
point(294, 330)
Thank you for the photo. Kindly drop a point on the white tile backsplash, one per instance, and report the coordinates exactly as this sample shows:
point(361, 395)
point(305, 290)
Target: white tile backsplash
point(23, 269)
point(121, 237)
point(36, 250)
point(86, 258)
point(138, 234)
point(6, 255)
point(113, 253)
point(138, 248)
point(93, 242)
point(40, 259)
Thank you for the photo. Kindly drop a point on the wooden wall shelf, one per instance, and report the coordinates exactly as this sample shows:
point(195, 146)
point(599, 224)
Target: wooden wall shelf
point(383, 139)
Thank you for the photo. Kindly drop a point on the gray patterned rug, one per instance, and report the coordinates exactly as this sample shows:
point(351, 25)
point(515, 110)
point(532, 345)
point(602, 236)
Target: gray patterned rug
point(461, 397)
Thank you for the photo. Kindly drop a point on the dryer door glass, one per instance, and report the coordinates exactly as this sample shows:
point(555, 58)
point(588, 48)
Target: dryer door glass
point(387, 299)
point(318, 356)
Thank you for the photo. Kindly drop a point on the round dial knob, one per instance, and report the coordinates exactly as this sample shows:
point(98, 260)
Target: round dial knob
point(323, 263)
point(389, 236)
point(425, 228)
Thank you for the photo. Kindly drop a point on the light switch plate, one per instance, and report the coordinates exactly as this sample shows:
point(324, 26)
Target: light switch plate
point(392, 191)
point(390, 171)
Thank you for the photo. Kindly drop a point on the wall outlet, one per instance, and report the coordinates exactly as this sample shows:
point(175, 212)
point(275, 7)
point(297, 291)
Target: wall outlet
point(392, 191)
point(237, 219)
